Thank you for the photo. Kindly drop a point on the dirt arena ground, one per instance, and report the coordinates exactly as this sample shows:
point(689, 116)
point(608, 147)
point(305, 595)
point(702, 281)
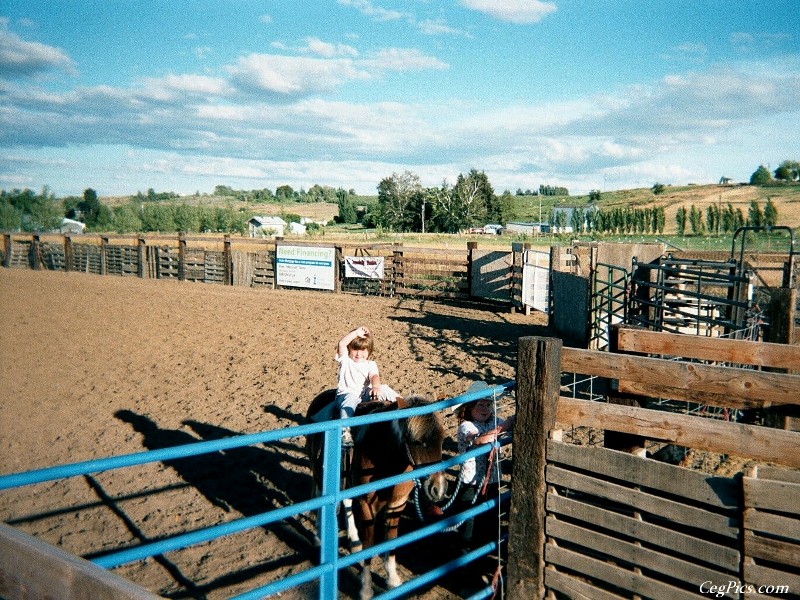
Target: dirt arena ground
point(95, 366)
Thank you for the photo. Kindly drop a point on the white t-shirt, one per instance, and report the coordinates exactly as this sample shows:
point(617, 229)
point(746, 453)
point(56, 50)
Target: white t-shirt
point(354, 376)
point(473, 470)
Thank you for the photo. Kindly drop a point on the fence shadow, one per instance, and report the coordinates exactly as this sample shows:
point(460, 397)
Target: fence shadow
point(464, 334)
point(249, 480)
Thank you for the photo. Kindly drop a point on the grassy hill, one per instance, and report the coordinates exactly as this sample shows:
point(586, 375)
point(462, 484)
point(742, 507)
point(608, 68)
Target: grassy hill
point(528, 208)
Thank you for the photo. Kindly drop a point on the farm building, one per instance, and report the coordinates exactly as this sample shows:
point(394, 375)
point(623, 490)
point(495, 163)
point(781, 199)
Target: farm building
point(527, 228)
point(266, 226)
point(71, 226)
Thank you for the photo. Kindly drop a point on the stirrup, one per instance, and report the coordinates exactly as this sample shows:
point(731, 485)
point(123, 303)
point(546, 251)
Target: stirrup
point(347, 438)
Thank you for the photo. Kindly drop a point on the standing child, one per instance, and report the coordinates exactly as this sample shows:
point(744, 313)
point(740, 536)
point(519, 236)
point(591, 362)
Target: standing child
point(358, 379)
point(477, 425)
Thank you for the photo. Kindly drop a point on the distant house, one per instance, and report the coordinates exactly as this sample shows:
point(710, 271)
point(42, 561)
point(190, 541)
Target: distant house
point(71, 226)
point(523, 228)
point(266, 226)
point(297, 228)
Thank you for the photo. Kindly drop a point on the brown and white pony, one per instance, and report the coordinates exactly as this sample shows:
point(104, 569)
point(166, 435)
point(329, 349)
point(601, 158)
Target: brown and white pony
point(381, 450)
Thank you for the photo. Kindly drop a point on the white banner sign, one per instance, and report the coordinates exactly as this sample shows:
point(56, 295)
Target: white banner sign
point(306, 266)
point(363, 267)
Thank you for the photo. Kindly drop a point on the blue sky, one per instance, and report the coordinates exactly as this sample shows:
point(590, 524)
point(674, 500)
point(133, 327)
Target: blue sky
point(122, 96)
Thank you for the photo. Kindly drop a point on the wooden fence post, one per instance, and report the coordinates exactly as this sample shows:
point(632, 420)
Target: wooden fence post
point(181, 256)
point(398, 268)
point(538, 386)
point(227, 256)
point(142, 256)
point(7, 249)
point(69, 253)
point(471, 247)
point(103, 255)
point(36, 252)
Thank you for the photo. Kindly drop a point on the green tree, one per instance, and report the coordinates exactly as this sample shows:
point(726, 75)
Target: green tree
point(788, 170)
point(126, 219)
point(45, 214)
point(680, 220)
point(284, 193)
point(658, 188)
point(754, 215)
point(696, 220)
point(399, 198)
point(577, 220)
point(594, 196)
point(10, 217)
point(187, 218)
point(89, 207)
point(157, 217)
point(761, 176)
point(347, 208)
point(770, 214)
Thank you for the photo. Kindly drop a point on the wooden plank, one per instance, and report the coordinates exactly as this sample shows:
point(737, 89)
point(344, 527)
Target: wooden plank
point(31, 568)
point(747, 352)
point(661, 508)
point(742, 384)
point(718, 492)
point(428, 293)
point(636, 583)
point(628, 552)
point(772, 495)
point(574, 588)
point(778, 474)
point(759, 575)
point(772, 550)
point(750, 441)
point(772, 524)
point(724, 557)
point(434, 262)
point(697, 396)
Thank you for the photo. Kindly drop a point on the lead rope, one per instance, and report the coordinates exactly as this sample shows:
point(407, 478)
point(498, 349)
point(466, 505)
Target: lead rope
point(497, 579)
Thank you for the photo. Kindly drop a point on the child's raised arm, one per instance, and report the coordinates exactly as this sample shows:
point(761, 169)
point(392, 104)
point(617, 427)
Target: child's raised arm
point(341, 347)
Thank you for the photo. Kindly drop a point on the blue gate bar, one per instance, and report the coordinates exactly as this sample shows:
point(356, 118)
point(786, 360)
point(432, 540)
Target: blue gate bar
point(209, 533)
point(204, 447)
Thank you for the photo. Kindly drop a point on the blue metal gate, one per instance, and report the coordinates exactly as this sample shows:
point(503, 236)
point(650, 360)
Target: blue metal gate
point(331, 561)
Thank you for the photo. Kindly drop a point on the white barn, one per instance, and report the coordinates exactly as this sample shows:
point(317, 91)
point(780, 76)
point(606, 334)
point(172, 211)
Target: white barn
point(266, 226)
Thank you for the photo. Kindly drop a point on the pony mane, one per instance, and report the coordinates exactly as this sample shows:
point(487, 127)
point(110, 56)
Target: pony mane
point(425, 428)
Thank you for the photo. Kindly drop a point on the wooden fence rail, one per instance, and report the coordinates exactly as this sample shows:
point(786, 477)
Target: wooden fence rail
point(460, 274)
point(592, 522)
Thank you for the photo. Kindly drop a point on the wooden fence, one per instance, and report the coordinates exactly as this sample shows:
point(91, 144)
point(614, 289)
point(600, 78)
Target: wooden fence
point(458, 274)
point(593, 522)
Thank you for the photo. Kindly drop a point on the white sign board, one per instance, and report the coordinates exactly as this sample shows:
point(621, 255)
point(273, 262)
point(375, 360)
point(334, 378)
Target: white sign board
point(363, 267)
point(306, 266)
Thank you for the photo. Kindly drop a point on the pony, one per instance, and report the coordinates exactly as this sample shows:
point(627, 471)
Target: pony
point(381, 450)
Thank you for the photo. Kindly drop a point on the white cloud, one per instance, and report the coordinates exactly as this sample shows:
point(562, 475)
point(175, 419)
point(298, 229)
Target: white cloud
point(18, 57)
point(367, 8)
point(168, 86)
point(327, 49)
point(437, 27)
point(403, 59)
point(293, 75)
point(514, 11)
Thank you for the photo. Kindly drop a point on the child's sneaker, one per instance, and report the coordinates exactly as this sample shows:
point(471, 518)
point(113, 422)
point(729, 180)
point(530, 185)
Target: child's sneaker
point(347, 438)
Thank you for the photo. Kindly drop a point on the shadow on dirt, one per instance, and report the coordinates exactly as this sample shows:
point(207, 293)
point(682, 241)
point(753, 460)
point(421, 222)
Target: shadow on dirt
point(249, 480)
